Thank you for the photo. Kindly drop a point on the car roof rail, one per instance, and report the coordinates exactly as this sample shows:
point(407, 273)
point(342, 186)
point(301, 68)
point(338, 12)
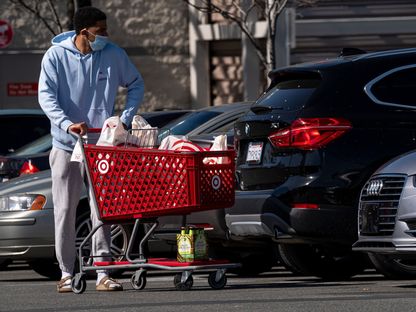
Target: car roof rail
point(351, 51)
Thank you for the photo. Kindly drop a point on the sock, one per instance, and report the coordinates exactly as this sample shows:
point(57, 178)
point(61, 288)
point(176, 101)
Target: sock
point(65, 274)
point(100, 276)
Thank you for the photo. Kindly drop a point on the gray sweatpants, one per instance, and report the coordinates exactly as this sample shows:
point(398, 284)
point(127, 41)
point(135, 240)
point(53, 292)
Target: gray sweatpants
point(67, 182)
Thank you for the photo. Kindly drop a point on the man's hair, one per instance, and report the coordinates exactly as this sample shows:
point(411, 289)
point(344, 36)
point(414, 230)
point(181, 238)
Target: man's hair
point(87, 17)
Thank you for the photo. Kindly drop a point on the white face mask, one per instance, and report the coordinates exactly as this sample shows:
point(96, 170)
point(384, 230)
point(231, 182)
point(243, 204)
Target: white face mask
point(99, 43)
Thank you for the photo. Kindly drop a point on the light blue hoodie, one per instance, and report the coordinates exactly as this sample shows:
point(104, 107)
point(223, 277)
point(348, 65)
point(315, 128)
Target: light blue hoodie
point(74, 87)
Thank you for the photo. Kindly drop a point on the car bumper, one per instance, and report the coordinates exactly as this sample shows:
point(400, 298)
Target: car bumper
point(386, 246)
point(261, 213)
point(248, 218)
point(402, 240)
point(27, 234)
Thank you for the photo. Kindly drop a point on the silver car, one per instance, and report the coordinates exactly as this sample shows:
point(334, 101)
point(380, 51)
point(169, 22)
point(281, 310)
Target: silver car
point(387, 218)
point(26, 223)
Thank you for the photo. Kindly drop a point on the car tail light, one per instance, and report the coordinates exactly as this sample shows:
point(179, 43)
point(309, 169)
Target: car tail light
point(28, 168)
point(310, 133)
point(305, 206)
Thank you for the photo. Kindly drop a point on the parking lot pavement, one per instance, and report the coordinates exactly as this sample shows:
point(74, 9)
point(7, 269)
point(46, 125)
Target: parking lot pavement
point(279, 290)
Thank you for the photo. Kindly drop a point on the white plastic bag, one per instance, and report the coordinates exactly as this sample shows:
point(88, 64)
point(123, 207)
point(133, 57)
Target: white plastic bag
point(139, 122)
point(112, 133)
point(179, 143)
point(142, 134)
point(168, 141)
point(77, 153)
point(220, 144)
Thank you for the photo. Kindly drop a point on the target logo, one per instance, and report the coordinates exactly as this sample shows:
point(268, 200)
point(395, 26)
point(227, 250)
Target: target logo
point(103, 166)
point(216, 182)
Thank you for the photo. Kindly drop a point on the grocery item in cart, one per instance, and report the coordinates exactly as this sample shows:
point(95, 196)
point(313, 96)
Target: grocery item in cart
point(142, 133)
point(179, 143)
point(112, 133)
point(220, 144)
point(192, 244)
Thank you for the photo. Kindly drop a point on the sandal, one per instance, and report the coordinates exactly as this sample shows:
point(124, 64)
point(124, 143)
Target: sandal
point(64, 285)
point(109, 284)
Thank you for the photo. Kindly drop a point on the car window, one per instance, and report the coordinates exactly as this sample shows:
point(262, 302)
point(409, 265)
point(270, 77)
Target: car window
point(160, 119)
point(288, 95)
point(21, 130)
point(43, 144)
point(397, 88)
point(183, 125)
point(225, 128)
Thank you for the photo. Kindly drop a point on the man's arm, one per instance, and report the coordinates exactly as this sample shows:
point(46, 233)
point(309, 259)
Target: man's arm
point(133, 81)
point(48, 93)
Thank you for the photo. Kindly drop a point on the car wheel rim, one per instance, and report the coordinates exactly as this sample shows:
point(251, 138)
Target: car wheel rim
point(119, 239)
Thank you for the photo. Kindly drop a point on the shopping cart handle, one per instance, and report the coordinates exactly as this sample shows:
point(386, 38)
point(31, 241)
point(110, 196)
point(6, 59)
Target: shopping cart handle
point(80, 137)
point(75, 134)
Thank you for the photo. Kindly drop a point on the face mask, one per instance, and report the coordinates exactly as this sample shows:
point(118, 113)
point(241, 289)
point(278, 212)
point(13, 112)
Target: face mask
point(99, 42)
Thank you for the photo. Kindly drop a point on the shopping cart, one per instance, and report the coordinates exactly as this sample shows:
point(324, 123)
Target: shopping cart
point(142, 183)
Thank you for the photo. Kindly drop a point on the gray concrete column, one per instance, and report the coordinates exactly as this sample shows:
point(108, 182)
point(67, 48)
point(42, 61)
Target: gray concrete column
point(199, 64)
point(249, 59)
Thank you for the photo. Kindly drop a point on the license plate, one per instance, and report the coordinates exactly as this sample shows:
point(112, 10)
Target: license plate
point(254, 152)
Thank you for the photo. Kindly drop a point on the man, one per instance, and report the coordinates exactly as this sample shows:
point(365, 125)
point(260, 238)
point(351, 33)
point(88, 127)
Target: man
point(78, 83)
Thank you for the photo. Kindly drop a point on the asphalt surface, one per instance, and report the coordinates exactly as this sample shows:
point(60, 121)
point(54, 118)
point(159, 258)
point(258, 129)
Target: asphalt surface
point(23, 290)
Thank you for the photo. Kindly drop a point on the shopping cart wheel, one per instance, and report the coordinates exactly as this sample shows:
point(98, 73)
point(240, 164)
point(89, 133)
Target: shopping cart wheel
point(138, 279)
point(79, 283)
point(183, 281)
point(217, 279)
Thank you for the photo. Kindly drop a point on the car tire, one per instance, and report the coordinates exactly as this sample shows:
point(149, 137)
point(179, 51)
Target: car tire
point(325, 263)
point(252, 266)
point(46, 267)
point(4, 263)
point(256, 263)
point(120, 236)
point(393, 268)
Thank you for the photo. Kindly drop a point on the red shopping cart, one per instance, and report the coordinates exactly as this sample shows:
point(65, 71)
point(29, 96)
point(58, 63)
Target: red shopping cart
point(141, 184)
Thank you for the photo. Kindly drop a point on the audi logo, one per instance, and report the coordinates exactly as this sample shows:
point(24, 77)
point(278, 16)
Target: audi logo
point(374, 187)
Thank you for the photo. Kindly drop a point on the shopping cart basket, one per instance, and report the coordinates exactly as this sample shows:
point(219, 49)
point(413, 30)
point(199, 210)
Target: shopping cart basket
point(143, 183)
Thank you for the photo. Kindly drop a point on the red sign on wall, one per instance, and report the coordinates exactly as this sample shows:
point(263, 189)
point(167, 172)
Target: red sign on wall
point(6, 33)
point(22, 89)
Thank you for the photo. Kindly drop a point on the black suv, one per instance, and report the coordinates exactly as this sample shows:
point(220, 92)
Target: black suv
point(308, 146)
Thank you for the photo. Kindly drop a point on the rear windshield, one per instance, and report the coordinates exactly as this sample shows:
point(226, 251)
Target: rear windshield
point(288, 95)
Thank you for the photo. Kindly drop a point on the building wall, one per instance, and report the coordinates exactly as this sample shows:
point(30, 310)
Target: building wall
point(154, 34)
point(373, 25)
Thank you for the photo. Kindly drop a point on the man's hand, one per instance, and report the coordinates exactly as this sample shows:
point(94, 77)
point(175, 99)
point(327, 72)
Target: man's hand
point(80, 128)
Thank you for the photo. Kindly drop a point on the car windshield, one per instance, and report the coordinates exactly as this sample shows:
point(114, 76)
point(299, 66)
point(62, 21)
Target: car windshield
point(183, 125)
point(43, 144)
point(289, 95)
point(180, 126)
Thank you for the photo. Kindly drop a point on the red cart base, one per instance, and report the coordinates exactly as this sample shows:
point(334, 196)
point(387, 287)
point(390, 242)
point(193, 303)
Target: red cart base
point(167, 262)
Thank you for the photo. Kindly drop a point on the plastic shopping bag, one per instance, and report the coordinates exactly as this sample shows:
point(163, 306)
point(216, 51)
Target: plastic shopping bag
point(220, 144)
point(142, 134)
point(112, 133)
point(77, 153)
point(179, 143)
